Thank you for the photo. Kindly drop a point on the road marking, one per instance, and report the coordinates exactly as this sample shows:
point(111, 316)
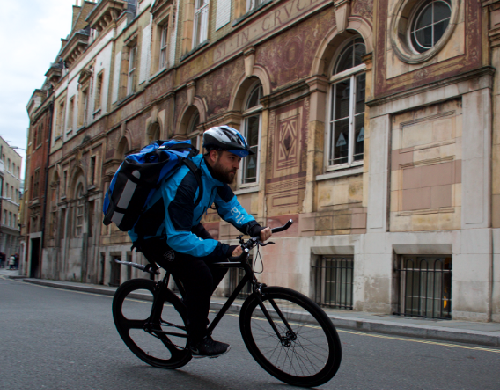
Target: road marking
point(398, 338)
point(422, 341)
point(313, 326)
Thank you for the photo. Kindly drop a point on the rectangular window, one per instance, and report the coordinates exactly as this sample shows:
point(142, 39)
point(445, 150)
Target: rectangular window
point(200, 21)
point(10, 218)
point(5, 217)
point(71, 118)
point(60, 118)
point(65, 182)
point(79, 217)
point(82, 120)
point(36, 184)
point(333, 281)
point(132, 70)
point(346, 133)
point(14, 222)
point(424, 286)
point(163, 46)
point(98, 92)
point(38, 139)
point(92, 169)
point(251, 132)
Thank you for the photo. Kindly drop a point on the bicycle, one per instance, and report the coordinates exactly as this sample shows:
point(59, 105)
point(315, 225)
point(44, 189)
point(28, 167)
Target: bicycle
point(287, 333)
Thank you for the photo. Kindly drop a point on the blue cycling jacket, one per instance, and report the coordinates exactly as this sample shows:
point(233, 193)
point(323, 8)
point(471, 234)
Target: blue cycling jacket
point(179, 193)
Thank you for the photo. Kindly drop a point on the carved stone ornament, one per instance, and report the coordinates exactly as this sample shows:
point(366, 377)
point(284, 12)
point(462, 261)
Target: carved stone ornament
point(342, 13)
point(249, 61)
point(85, 74)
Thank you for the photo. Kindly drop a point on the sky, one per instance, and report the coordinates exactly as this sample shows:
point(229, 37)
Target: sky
point(30, 38)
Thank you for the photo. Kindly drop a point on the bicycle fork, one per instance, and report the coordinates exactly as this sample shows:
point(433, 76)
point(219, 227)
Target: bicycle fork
point(290, 334)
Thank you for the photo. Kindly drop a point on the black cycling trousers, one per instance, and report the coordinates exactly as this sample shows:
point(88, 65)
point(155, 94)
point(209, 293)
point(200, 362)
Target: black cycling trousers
point(199, 279)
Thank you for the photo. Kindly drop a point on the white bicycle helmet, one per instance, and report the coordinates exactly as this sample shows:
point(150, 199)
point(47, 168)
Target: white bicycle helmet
point(226, 138)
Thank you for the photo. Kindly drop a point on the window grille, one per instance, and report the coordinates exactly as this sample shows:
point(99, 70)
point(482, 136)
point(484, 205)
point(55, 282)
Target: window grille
point(424, 286)
point(235, 276)
point(79, 212)
point(333, 281)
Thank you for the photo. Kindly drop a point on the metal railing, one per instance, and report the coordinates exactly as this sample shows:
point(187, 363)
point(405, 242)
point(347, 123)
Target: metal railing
point(333, 281)
point(424, 286)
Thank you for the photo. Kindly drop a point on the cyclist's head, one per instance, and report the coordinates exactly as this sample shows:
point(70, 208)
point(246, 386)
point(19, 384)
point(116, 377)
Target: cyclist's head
point(226, 138)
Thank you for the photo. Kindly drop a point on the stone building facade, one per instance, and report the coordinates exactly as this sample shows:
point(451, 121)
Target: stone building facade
point(374, 126)
point(10, 171)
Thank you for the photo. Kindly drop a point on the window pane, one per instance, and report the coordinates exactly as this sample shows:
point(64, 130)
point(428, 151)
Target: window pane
point(341, 99)
point(359, 52)
point(359, 134)
point(424, 37)
point(425, 18)
point(360, 94)
point(252, 130)
point(346, 59)
point(441, 11)
point(439, 30)
point(341, 140)
point(252, 136)
point(254, 98)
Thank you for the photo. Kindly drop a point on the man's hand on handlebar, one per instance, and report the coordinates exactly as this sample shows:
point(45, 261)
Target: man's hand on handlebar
point(237, 252)
point(265, 234)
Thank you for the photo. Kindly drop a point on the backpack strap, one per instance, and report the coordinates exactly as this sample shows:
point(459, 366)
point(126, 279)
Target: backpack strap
point(197, 174)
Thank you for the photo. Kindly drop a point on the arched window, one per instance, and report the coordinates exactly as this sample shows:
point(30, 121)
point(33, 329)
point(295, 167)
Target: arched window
point(79, 212)
point(251, 130)
point(346, 127)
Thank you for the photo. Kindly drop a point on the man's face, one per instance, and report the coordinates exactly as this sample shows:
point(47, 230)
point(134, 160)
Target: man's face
point(224, 165)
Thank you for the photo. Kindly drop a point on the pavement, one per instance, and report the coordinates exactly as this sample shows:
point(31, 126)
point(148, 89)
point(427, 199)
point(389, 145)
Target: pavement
point(487, 334)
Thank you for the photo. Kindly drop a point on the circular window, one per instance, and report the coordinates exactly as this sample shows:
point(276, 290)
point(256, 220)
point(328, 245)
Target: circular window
point(420, 29)
point(429, 24)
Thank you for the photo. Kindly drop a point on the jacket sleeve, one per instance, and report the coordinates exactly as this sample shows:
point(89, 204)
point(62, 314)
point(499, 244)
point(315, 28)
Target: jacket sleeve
point(179, 210)
point(230, 210)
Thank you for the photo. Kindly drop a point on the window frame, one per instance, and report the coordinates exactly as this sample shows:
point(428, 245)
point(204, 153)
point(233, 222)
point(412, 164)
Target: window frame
point(350, 74)
point(245, 115)
point(79, 211)
point(132, 70)
point(163, 53)
point(192, 133)
point(417, 11)
point(202, 11)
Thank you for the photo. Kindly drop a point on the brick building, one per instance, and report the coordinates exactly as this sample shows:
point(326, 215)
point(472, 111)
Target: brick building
point(374, 125)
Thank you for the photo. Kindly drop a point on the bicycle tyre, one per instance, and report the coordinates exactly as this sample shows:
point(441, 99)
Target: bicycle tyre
point(315, 337)
point(156, 349)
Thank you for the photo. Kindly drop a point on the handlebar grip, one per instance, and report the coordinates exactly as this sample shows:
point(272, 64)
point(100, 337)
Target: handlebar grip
point(284, 227)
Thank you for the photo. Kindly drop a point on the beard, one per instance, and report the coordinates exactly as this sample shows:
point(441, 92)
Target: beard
point(224, 175)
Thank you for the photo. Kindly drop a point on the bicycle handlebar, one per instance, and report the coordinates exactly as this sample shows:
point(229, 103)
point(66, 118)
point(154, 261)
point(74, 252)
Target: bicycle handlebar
point(252, 241)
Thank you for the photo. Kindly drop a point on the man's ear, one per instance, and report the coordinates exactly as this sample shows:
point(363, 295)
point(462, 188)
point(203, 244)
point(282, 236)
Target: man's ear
point(213, 156)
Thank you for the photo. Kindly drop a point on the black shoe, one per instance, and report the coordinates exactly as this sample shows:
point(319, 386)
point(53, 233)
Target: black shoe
point(208, 347)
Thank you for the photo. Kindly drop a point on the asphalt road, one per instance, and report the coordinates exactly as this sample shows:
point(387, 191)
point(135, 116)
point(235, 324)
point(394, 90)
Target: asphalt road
point(60, 339)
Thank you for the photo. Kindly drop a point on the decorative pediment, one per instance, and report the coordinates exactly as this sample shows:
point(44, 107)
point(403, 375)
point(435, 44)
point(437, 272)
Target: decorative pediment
point(84, 76)
point(75, 46)
point(159, 7)
point(105, 13)
point(54, 73)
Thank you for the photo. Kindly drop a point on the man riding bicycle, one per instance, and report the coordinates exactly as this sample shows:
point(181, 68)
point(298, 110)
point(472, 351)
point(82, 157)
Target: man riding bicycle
point(184, 243)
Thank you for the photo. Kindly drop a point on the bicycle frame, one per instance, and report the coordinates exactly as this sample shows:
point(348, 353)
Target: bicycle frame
point(249, 277)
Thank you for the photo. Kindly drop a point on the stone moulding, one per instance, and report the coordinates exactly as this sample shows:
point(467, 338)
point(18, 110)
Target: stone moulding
point(398, 32)
point(105, 12)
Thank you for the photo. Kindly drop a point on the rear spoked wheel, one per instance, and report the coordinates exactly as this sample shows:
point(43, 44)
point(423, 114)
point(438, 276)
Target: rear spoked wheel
point(300, 346)
point(161, 342)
